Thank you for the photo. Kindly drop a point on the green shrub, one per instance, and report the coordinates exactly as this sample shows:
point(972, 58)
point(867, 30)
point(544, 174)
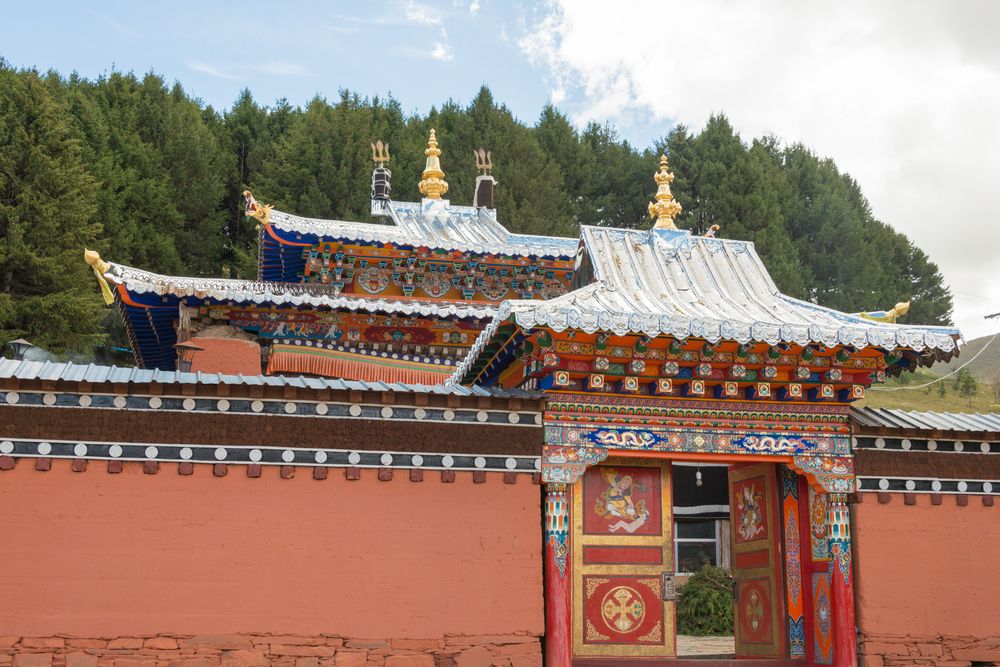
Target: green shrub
point(705, 603)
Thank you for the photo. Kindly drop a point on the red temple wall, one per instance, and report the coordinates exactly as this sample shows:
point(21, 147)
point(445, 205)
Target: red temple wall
point(924, 592)
point(365, 566)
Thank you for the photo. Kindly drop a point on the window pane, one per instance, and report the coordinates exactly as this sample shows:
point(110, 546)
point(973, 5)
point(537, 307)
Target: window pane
point(692, 555)
point(696, 529)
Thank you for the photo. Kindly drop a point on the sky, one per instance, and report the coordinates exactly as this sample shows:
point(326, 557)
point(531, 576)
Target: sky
point(902, 94)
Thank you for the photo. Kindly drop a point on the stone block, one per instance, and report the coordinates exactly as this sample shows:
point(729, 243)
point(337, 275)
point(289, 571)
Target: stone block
point(243, 658)
point(131, 643)
point(885, 648)
point(303, 651)
point(871, 661)
point(33, 660)
point(977, 654)
point(219, 642)
point(160, 643)
point(351, 659)
point(417, 644)
point(532, 660)
point(307, 662)
point(517, 649)
point(477, 656)
point(42, 642)
point(203, 661)
point(930, 650)
point(409, 661)
point(135, 662)
point(292, 640)
point(367, 643)
point(76, 642)
point(8, 642)
point(80, 659)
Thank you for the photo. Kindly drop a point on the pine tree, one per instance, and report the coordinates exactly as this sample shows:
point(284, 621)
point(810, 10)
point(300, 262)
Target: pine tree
point(46, 209)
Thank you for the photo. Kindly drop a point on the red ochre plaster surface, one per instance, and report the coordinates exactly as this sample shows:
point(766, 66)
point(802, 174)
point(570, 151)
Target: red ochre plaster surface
point(925, 584)
point(92, 554)
point(231, 356)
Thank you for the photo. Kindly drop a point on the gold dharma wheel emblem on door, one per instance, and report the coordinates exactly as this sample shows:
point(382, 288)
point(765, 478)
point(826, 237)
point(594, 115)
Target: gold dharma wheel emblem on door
point(622, 609)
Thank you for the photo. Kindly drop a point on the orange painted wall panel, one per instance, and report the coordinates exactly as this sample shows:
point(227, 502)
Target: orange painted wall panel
point(927, 570)
point(94, 554)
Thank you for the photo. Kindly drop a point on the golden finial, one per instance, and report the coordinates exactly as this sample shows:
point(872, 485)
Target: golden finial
point(484, 160)
point(433, 184)
point(665, 208)
point(380, 153)
point(890, 316)
point(262, 212)
point(100, 267)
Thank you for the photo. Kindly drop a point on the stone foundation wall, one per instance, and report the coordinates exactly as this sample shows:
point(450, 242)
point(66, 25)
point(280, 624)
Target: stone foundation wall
point(252, 650)
point(941, 651)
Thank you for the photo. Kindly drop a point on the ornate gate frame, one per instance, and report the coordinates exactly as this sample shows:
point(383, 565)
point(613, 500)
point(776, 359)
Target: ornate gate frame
point(812, 440)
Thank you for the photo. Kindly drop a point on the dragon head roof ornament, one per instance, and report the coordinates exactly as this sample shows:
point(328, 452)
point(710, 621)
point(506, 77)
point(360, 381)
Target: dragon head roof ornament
point(433, 185)
point(665, 208)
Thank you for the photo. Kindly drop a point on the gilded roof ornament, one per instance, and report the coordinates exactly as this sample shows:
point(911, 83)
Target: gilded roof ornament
point(380, 153)
point(484, 160)
point(100, 267)
point(665, 208)
point(889, 316)
point(433, 185)
point(262, 212)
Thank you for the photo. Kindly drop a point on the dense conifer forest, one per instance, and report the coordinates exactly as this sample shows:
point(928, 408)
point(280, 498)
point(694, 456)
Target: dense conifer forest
point(151, 177)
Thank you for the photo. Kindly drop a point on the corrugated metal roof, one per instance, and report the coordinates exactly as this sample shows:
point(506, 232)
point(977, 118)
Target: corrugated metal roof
point(53, 371)
point(669, 282)
point(435, 223)
point(926, 421)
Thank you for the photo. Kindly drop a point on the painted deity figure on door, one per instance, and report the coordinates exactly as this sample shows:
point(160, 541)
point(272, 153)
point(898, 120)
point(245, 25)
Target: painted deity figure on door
point(619, 502)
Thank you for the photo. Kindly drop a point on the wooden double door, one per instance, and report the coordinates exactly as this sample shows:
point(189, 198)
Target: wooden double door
point(623, 598)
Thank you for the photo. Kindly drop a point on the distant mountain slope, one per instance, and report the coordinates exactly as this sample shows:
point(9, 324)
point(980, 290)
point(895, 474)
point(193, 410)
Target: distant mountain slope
point(986, 367)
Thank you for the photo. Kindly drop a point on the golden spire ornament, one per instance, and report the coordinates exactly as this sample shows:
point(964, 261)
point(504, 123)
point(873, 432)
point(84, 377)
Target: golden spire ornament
point(433, 184)
point(665, 208)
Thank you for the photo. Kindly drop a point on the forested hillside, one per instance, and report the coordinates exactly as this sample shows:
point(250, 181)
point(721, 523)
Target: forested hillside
point(151, 177)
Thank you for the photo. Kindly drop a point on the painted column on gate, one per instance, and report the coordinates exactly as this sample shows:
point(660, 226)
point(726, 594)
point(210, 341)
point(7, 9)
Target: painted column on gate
point(845, 651)
point(557, 577)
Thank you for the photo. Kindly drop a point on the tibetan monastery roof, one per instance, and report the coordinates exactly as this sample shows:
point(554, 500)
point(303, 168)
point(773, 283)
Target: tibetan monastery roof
point(435, 224)
point(670, 282)
point(94, 374)
point(966, 422)
point(137, 281)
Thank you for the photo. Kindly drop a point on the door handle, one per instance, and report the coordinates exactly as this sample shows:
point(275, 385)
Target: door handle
point(668, 589)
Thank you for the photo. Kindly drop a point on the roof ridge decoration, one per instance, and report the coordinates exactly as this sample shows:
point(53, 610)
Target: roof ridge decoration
point(380, 153)
point(261, 212)
point(100, 267)
point(665, 208)
point(668, 282)
point(294, 294)
point(433, 185)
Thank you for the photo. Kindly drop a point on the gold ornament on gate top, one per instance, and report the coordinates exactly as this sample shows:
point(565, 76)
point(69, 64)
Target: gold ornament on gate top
point(380, 153)
point(433, 184)
point(665, 208)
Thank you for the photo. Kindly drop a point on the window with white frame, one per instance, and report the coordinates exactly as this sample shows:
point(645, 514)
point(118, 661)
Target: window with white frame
point(698, 542)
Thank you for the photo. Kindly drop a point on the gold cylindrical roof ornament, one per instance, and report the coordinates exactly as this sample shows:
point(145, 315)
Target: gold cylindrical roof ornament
point(433, 185)
point(665, 208)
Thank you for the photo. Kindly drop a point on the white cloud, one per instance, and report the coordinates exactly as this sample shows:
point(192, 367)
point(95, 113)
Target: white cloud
point(212, 71)
point(904, 95)
point(441, 51)
point(474, 7)
point(421, 14)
